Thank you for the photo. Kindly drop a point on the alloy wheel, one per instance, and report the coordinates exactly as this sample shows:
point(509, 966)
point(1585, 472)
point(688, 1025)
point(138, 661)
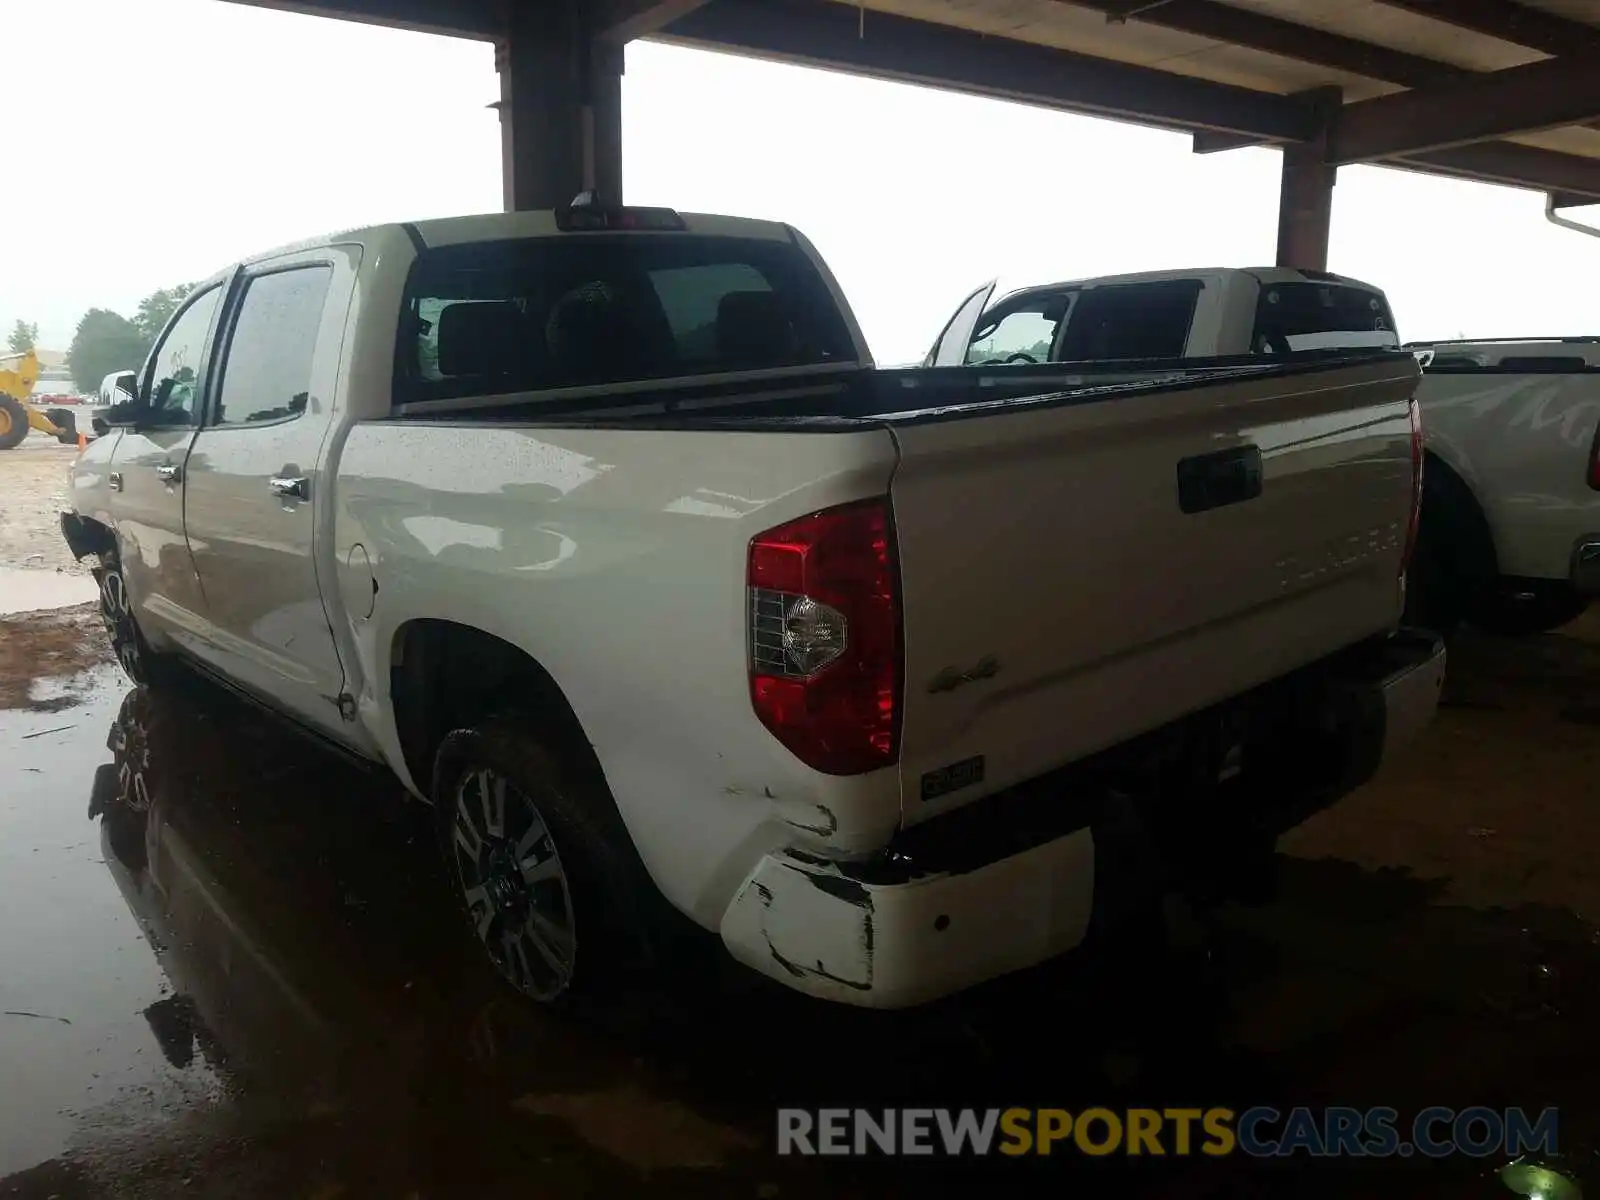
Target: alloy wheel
point(513, 883)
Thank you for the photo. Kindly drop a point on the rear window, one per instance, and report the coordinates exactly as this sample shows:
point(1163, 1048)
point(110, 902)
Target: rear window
point(491, 318)
point(1131, 320)
point(1321, 316)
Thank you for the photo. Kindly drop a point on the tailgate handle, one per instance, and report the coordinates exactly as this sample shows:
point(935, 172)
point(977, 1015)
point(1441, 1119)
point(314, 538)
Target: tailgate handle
point(1208, 481)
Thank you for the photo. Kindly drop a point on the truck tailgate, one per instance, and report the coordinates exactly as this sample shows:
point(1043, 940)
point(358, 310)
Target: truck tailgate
point(1074, 575)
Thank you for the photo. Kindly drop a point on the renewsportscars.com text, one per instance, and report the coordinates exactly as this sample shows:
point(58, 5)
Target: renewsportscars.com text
point(1261, 1132)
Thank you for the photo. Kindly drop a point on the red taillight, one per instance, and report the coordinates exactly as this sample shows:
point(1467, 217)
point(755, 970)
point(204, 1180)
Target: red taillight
point(824, 600)
point(1415, 519)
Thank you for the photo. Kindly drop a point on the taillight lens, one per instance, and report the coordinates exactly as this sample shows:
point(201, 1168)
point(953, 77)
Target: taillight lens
point(825, 637)
point(1415, 519)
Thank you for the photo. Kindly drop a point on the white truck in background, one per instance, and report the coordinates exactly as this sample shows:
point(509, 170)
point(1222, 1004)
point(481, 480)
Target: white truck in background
point(600, 530)
point(1510, 536)
point(1203, 313)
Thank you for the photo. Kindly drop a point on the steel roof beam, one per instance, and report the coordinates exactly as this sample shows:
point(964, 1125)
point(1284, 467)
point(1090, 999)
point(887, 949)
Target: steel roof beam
point(1508, 21)
point(1541, 95)
point(624, 20)
point(1287, 39)
point(826, 34)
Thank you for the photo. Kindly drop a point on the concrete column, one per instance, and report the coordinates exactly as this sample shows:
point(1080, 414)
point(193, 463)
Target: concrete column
point(560, 107)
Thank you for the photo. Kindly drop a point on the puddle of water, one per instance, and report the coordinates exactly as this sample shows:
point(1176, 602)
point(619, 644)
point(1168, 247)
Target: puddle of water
point(263, 948)
point(22, 590)
point(78, 976)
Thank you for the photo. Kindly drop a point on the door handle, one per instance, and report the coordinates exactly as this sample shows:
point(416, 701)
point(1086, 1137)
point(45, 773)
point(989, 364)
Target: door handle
point(170, 473)
point(114, 481)
point(1215, 480)
point(295, 488)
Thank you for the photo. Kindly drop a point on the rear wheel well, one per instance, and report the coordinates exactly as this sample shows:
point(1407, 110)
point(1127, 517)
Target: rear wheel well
point(446, 676)
point(1454, 566)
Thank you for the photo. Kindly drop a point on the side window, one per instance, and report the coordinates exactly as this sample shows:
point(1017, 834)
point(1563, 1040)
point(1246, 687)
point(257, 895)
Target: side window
point(267, 373)
point(1131, 321)
point(175, 366)
point(1029, 332)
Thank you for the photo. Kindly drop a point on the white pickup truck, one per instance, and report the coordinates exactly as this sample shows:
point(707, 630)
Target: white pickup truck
point(1511, 510)
point(1510, 527)
point(600, 530)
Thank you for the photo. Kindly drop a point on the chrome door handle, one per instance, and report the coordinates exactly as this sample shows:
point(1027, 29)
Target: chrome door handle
point(296, 488)
point(170, 473)
point(114, 481)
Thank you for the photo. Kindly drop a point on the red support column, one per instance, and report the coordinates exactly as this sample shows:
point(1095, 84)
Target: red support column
point(1305, 207)
point(560, 107)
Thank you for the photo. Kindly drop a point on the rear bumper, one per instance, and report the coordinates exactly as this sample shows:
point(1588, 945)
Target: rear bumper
point(1009, 881)
point(1585, 570)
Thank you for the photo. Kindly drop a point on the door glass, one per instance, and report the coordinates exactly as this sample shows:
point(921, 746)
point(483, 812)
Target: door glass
point(267, 373)
point(1029, 331)
point(175, 368)
point(1131, 320)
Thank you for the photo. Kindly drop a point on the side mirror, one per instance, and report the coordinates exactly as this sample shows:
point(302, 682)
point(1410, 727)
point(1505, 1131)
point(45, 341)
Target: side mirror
point(122, 415)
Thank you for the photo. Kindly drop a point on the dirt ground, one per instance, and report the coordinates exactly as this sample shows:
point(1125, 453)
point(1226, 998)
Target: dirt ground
point(33, 491)
point(1500, 800)
point(256, 987)
point(53, 648)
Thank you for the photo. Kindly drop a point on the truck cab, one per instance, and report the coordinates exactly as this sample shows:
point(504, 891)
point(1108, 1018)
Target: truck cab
point(1214, 312)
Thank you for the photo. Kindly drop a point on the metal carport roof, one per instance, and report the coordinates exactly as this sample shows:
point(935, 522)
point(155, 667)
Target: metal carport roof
point(1497, 90)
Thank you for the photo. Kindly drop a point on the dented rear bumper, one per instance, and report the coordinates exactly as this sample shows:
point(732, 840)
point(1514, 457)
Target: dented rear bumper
point(1009, 881)
point(894, 944)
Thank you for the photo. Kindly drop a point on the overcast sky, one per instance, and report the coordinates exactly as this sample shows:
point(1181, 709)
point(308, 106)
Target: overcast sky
point(152, 142)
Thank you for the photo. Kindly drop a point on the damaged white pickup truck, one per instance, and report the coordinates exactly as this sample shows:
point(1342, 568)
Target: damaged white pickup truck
point(600, 530)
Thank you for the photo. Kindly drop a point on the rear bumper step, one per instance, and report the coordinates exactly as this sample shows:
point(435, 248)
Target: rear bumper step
point(1009, 882)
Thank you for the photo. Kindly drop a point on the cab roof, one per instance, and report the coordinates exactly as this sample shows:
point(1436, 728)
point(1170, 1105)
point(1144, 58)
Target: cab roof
point(502, 226)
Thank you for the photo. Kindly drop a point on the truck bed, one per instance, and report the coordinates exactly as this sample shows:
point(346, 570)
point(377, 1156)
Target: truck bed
point(1079, 562)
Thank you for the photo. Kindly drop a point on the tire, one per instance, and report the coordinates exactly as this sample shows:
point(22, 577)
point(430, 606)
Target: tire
point(13, 422)
point(541, 864)
point(139, 662)
point(1453, 567)
point(1519, 609)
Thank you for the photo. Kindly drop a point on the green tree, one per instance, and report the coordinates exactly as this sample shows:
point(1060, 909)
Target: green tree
point(24, 337)
point(156, 309)
point(105, 342)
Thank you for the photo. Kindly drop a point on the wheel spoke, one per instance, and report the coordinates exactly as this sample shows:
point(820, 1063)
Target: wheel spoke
point(494, 803)
point(537, 932)
point(517, 961)
point(536, 833)
point(483, 912)
point(468, 840)
point(536, 870)
point(556, 936)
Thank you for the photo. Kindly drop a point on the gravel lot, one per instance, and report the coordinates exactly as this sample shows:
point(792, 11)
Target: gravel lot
point(33, 490)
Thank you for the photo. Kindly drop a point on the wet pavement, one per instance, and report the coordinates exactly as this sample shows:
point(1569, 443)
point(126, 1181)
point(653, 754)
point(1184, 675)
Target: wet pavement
point(26, 590)
point(229, 967)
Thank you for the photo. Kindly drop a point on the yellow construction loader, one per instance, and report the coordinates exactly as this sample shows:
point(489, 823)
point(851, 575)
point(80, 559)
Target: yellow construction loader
point(18, 375)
